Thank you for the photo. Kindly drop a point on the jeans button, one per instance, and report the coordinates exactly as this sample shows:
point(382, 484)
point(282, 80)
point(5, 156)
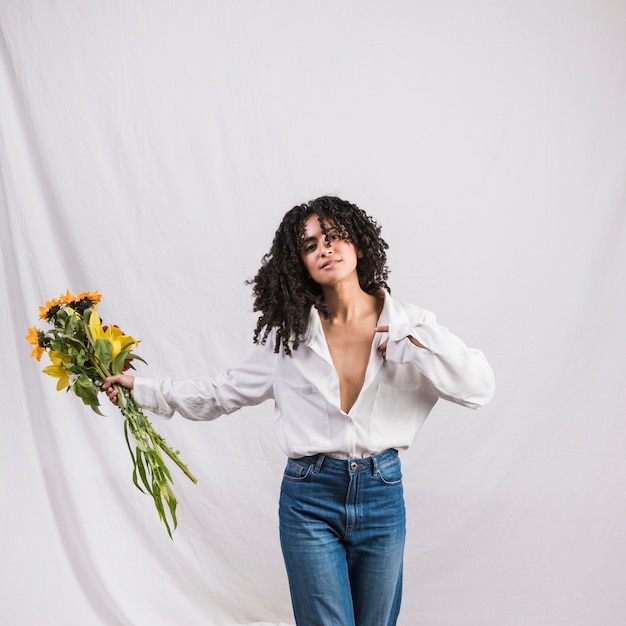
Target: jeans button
point(354, 465)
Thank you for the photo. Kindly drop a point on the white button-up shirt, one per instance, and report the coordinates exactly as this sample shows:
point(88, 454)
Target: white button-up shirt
point(398, 392)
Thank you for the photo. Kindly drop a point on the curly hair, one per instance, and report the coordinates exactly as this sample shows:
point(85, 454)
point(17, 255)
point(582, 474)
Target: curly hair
point(282, 288)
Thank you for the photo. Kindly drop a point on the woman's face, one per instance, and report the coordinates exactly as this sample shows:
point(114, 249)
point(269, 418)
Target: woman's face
point(328, 262)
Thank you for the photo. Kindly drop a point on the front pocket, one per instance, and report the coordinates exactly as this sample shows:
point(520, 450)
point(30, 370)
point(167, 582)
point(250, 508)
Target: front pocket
point(295, 471)
point(390, 474)
point(304, 417)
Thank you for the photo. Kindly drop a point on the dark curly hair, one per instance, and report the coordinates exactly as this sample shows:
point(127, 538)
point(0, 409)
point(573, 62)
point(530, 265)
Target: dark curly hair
point(284, 291)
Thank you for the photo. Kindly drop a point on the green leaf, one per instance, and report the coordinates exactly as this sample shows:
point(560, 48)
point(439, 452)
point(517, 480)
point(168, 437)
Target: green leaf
point(140, 440)
point(172, 502)
point(132, 355)
point(118, 363)
point(135, 481)
point(86, 390)
point(59, 345)
point(161, 464)
point(104, 351)
point(140, 467)
point(79, 356)
point(74, 344)
point(158, 502)
point(142, 422)
point(126, 429)
point(132, 454)
point(72, 325)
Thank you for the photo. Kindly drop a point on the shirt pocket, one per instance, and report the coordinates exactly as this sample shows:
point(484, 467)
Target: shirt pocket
point(305, 418)
point(394, 421)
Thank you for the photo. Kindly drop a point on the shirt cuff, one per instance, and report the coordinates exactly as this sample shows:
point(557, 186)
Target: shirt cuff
point(147, 395)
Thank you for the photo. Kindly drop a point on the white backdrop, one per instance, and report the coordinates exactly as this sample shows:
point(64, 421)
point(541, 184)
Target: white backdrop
point(149, 150)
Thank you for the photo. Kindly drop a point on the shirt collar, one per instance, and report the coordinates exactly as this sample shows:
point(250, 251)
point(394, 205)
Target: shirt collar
point(314, 335)
point(393, 313)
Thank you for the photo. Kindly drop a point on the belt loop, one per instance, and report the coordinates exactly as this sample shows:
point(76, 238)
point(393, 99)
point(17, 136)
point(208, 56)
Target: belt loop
point(374, 465)
point(319, 463)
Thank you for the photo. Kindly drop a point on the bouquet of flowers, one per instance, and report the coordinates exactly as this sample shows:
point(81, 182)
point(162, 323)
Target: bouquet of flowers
point(83, 353)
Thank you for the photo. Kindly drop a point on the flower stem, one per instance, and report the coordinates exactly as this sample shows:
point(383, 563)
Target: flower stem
point(127, 406)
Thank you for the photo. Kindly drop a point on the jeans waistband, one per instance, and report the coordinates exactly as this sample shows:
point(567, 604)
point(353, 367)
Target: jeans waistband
point(370, 463)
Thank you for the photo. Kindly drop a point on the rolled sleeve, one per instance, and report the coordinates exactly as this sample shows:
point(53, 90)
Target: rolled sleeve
point(458, 373)
point(248, 384)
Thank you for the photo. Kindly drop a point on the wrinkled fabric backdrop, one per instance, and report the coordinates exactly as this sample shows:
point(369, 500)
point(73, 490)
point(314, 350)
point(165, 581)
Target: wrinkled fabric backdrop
point(149, 150)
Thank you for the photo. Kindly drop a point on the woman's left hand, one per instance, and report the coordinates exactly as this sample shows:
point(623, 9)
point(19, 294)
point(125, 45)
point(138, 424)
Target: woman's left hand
point(383, 346)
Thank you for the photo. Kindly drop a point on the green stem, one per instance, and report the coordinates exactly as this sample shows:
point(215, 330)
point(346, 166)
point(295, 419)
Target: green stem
point(145, 436)
point(125, 400)
point(158, 441)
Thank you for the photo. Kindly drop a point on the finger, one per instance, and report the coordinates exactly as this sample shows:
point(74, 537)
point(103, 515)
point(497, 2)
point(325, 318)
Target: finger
point(383, 349)
point(415, 342)
point(381, 329)
point(108, 381)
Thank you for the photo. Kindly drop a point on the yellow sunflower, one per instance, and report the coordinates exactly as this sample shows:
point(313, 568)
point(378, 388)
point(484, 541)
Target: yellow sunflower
point(93, 296)
point(67, 297)
point(33, 336)
point(45, 310)
point(33, 339)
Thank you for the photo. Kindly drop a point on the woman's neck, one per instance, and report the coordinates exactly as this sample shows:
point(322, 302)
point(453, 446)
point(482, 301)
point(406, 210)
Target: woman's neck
point(347, 302)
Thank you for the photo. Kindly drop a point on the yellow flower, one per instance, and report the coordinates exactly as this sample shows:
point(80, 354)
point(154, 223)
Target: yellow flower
point(33, 336)
point(33, 339)
point(56, 370)
point(93, 296)
point(95, 326)
point(45, 310)
point(37, 351)
point(119, 341)
point(81, 302)
point(67, 298)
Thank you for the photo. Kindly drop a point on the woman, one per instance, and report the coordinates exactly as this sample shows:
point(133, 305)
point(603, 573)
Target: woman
point(353, 374)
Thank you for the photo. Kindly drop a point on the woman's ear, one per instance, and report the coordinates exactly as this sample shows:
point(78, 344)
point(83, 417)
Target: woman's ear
point(359, 254)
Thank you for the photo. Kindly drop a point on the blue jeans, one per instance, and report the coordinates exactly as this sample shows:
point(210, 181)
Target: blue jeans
point(342, 529)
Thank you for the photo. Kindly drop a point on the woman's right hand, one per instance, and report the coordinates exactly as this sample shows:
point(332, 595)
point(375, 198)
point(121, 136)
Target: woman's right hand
point(125, 380)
